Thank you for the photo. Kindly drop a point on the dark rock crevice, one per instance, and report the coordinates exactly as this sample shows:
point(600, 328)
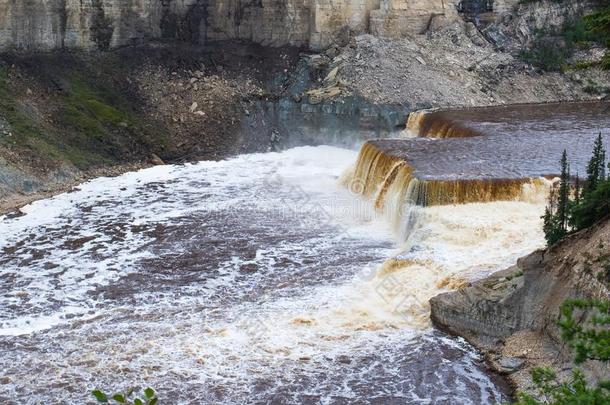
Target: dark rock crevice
point(102, 28)
point(190, 28)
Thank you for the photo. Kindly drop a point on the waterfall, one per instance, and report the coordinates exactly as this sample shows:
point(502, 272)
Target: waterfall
point(394, 187)
point(437, 124)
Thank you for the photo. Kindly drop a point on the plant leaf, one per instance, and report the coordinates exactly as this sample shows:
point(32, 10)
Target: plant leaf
point(153, 401)
point(149, 392)
point(99, 395)
point(137, 401)
point(120, 398)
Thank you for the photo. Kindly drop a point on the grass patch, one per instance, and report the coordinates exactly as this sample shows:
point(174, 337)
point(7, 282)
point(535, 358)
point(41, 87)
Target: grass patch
point(88, 123)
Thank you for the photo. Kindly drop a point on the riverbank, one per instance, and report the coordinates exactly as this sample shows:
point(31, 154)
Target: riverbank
point(511, 315)
point(67, 115)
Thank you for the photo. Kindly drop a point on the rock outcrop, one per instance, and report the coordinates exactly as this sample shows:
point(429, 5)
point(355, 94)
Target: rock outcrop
point(512, 314)
point(96, 24)
point(102, 24)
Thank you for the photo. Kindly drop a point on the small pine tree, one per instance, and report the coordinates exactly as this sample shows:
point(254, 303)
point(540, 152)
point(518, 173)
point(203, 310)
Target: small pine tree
point(596, 169)
point(563, 200)
point(556, 216)
point(548, 225)
point(577, 190)
point(589, 203)
point(594, 202)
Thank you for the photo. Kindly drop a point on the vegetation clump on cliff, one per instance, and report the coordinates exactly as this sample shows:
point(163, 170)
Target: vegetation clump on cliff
point(590, 339)
point(550, 54)
point(584, 323)
point(572, 209)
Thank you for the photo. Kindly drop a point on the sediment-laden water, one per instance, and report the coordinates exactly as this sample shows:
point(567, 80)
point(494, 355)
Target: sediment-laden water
point(259, 279)
point(533, 120)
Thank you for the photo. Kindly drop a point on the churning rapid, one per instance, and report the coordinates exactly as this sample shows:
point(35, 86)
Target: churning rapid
point(257, 279)
point(300, 276)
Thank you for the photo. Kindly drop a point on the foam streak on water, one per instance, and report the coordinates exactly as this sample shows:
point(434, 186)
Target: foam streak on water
point(257, 279)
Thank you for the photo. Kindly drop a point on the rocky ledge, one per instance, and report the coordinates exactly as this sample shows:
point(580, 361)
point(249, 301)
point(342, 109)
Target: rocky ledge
point(511, 315)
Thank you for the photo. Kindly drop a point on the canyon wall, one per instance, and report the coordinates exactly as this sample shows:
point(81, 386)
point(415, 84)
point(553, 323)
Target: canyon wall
point(103, 24)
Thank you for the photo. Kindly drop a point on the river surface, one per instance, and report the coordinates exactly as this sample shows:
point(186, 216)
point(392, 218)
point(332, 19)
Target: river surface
point(251, 280)
point(516, 141)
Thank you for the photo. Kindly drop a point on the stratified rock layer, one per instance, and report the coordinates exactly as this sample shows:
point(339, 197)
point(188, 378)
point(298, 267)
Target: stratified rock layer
point(90, 24)
point(512, 314)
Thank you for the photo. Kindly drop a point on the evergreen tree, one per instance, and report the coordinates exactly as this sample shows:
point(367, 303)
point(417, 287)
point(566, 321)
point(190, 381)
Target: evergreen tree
point(556, 215)
point(596, 170)
point(589, 204)
point(563, 200)
point(548, 226)
point(594, 201)
point(577, 190)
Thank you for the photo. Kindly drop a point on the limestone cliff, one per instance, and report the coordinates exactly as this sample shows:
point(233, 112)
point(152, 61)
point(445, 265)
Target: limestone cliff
point(102, 24)
point(89, 24)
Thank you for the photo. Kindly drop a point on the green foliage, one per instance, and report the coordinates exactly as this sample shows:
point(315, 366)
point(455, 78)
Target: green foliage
point(594, 206)
point(596, 168)
point(149, 397)
point(564, 190)
point(550, 49)
point(88, 122)
point(556, 215)
point(590, 338)
point(572, 392)
point(545, 54)
point(605, 63)
point(597, 26)
point(564, 213)
point(597, 29)
point(3, 76)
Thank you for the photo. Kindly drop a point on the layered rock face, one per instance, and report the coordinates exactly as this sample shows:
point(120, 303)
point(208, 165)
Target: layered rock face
point(102, 24)
point(512, 315)
point(396, 18)
point(90, 24)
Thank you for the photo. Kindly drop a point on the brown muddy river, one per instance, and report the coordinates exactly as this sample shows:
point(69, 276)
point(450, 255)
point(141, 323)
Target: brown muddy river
point(256, 279)
point(504, 142)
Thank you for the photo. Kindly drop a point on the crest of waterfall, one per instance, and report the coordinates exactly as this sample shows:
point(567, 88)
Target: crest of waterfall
point(435, 124)
point(396, 191)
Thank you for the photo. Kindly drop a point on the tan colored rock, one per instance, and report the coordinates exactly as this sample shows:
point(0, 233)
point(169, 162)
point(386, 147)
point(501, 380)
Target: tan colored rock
point(156, 160)
point(101, 24)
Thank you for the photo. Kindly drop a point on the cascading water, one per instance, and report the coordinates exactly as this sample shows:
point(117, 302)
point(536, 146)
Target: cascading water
point(255, 279)
point(436, 124)
point(397, 192)
point(263, 279)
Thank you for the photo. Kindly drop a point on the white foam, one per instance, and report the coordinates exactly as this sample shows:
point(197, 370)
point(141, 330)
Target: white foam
point(317, 294)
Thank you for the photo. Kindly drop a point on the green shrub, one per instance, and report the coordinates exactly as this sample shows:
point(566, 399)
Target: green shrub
point(551, 54)
point(591, 341)
point(149, 397)
point(605, 63)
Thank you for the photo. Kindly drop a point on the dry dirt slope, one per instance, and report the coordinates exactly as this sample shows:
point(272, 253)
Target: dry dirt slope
point(64, 116)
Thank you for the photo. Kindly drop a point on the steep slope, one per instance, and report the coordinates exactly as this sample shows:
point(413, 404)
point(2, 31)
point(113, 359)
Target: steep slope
point(68, 116)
